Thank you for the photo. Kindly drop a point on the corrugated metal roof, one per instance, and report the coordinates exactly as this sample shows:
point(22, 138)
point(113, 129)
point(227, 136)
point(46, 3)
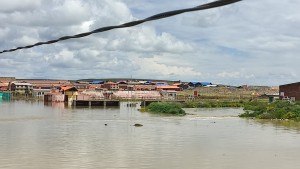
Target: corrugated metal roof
point(176, 84)
point(194, 83)
point(167, 87)
point(23, 84)
point(97, 82)
point(4, 84)
point(200, 83)
point(205, 83)
point(65, 88)
point(110, 82)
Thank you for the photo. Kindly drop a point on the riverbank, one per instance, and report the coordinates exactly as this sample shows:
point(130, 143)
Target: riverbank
point(168, 108)
point(279, 110)
point(213, 103)
point(276, 110)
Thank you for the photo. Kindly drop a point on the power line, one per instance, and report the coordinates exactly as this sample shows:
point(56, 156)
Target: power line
point(214, 4)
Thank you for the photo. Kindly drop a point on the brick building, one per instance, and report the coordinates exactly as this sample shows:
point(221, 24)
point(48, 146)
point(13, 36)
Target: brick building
point(290, 91)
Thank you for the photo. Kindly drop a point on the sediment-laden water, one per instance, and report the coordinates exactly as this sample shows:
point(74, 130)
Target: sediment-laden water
point(34, 135)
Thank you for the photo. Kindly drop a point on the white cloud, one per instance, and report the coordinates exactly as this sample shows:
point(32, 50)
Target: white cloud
point(145, 39)
point(10, 6)
point(250, 42)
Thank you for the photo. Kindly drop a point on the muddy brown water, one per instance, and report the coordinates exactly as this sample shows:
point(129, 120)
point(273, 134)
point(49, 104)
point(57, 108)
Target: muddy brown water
point(34, 135)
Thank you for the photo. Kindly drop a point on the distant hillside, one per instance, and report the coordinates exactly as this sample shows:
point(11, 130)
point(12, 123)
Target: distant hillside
point(129, 79)
point(107, 79)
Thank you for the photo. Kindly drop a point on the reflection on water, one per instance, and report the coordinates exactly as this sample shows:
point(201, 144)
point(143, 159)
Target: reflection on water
point(34, 135)
point(281, 124)
point(57, 105)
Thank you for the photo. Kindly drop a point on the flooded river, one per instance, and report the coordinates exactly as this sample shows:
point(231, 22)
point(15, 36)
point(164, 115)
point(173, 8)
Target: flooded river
point(34, 135)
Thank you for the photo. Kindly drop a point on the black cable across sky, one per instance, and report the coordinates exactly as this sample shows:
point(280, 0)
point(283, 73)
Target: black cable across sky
point(214, 4)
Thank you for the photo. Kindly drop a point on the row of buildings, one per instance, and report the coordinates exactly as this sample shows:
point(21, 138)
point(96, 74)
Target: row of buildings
point(63, 90)
point(123, 89)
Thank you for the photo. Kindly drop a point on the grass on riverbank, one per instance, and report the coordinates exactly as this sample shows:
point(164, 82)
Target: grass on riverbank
point(165, 108)
point(213, 104)
point(253, 109)
point(275, 110)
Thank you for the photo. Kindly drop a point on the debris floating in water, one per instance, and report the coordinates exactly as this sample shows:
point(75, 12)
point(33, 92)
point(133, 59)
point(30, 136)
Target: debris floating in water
point(137, 125)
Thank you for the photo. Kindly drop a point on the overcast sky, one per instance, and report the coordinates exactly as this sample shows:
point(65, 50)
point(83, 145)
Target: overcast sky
point(254, 42)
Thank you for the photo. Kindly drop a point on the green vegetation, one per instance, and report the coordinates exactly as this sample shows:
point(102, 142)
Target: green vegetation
point(212, 104)
point(166, 108)
point(253, 109)
point(276, 110)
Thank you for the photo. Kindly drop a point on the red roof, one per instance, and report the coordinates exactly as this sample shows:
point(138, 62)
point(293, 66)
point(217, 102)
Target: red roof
point(110, 83)
point(176, 84)
point(64, 88)
point(3, 84)
point(167, 87)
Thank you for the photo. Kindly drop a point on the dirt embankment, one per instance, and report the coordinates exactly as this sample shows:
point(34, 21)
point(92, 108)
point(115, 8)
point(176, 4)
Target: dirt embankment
point(226, 93)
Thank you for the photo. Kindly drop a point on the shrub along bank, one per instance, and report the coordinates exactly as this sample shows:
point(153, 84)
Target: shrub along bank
point(275, 110)
point(166, 108)
point(253, 109)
